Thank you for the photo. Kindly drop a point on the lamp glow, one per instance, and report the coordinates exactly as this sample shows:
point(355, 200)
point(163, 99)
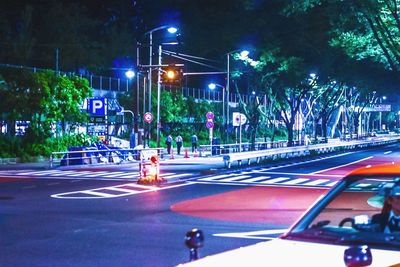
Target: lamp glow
point(130, 74)
point(172, 30)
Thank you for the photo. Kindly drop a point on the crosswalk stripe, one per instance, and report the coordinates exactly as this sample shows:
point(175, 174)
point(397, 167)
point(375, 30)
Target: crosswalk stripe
point(332, 184)
point(317, 182)
point(130, 175)
point(215, 177)
point(296, 181)
point(256, 179)
point(36, 173)
point(275, 180)
point(63, 173)
point(114, 174)
point(235, 178)
point(94, 174)
point(80, 173)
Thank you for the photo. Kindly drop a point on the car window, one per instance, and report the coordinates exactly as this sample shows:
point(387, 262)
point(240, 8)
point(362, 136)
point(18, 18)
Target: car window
point(354, 215)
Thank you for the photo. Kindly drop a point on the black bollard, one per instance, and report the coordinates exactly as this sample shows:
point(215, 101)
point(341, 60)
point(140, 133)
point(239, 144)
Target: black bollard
point(194, 239)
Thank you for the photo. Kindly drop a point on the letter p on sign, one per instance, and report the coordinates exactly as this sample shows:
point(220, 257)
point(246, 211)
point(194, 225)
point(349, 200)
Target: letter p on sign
point(97, 107)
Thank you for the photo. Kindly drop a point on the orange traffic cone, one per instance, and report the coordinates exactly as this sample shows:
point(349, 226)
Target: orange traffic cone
point(172, 154)
point(186, 153)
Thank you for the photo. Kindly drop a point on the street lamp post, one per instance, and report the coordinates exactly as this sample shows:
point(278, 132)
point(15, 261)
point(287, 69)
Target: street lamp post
point(150, 33)
point(380, 113)
point(212, 86)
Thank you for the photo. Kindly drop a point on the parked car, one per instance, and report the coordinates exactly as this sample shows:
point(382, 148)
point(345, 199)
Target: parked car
point(349, 226)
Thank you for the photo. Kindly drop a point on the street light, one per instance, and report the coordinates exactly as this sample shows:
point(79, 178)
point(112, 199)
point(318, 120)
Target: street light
point(171, 30)
point(212, 86)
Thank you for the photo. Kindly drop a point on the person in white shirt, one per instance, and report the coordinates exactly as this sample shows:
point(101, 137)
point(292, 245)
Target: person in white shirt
point(178, 141)
point(389, 218)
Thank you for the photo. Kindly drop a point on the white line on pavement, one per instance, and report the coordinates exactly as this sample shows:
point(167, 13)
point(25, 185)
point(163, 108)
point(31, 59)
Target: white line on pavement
point(340, 166)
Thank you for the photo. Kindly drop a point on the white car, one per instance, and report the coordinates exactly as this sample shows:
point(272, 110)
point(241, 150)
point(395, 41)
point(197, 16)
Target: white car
point(340, 229)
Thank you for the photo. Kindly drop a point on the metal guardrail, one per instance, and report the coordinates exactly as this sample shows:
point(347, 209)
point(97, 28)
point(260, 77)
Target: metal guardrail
point(221, 149)
point(100, 156)
point(291, 152)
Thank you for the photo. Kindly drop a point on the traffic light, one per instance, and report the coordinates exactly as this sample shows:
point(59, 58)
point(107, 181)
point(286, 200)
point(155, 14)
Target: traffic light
point(172, 75)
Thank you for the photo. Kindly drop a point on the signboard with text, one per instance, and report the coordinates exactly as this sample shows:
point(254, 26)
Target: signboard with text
point(378, 107)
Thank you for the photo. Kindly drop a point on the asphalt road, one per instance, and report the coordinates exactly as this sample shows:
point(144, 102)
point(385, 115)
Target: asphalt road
point(102, 217)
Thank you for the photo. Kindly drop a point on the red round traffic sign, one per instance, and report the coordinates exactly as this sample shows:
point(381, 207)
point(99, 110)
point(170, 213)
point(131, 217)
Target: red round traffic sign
point(210, 115)
point(210, 124)
point(148, 117)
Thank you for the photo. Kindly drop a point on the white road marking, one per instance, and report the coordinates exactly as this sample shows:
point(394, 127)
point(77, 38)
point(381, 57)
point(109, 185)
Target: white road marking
point(235, 178)
point(296, 181)
point(256, 179)
point(275, 180)
point(302, 174)
point(332, 184)
point(119, 189)
point(317, 182)
point(254, 234)
point(340, 166)
point(100, 194)
point(96, 194)
point(387, 152)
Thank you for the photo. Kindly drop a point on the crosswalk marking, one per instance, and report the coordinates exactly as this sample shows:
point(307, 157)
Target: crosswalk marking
point(296, 181)
point(235, 178)
point(317, 182)
point(114, 174)
point(275, 180)
point(213, 178)
point(81, 174)
point(243, 178)
point(332, 184)
point(256, 179)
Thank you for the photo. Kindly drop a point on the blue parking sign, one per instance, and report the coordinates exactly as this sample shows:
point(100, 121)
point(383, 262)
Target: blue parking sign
point(97, 106)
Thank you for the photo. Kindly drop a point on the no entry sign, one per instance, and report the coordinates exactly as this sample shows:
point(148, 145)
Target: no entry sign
point(148, 117)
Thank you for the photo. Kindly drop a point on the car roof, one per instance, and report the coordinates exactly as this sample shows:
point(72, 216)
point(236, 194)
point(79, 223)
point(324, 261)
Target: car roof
point(380, 170)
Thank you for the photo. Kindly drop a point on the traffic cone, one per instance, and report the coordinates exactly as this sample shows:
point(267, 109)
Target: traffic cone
point(186, 153)
point(172, 154)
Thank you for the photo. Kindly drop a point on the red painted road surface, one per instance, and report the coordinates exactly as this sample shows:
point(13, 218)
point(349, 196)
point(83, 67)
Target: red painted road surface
point(275, 205)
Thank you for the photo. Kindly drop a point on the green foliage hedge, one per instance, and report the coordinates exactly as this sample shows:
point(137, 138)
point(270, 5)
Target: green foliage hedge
point(24, 147)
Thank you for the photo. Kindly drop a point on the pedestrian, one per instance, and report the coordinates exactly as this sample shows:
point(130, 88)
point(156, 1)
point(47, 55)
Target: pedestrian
point(194, 142)
point(168, 142)
point(179, 141)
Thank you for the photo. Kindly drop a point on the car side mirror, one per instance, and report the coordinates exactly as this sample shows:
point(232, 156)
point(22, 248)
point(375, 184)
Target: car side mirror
point(358, 256)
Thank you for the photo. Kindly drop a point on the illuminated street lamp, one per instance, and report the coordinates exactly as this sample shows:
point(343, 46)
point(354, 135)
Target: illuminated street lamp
point(212, 86)
point(171, 30)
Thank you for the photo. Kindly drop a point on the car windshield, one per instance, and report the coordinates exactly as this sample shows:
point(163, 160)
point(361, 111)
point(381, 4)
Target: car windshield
point(352, 214)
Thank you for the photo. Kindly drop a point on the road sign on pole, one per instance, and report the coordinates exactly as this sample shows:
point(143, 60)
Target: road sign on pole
point(210, 115)
point(148, 117)
point(210, 124)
